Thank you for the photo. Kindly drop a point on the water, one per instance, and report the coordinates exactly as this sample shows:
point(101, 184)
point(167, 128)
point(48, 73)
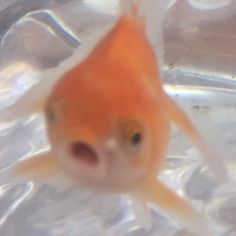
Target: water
point(36, 37)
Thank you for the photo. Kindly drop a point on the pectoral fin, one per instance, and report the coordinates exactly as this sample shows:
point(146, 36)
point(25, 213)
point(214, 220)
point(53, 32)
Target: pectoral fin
point(157, 193)
point(213, 159)
point(25, 106)
point(42, 168)
point(142, 213)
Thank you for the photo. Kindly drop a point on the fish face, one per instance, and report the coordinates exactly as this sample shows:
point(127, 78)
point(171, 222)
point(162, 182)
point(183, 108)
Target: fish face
point(113, 153)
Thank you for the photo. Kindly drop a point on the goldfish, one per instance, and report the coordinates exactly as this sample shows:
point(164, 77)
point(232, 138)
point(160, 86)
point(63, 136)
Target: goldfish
point(108, 124)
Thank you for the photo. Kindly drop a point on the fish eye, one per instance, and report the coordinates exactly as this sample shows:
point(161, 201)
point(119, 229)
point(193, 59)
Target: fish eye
point(136, 138)
point(50, 114)
point(131, 134)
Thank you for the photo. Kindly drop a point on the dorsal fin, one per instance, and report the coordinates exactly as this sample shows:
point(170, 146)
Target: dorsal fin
point(131, 8)
point(150, 15)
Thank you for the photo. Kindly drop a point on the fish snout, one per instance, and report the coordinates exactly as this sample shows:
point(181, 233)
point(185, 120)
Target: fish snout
point(85, 162)
point(92, 156)
point(83, 152)
point(100, 166)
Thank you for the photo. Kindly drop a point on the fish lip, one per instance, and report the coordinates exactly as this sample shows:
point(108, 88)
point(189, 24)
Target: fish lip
point(89, 172)
point(83, 152)
point(97, 167)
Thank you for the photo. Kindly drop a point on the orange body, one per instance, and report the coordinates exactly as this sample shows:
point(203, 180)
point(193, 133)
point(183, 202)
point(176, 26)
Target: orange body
point(119, 82)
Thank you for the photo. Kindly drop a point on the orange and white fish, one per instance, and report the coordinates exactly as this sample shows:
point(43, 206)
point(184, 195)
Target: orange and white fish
point(108, 122)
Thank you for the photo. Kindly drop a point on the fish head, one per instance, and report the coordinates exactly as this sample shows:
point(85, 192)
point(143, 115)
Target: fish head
point(104, 133)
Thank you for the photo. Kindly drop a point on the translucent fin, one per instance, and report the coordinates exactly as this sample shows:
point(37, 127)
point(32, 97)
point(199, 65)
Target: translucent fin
point(131, 8)
point(40, 168)
point(213, 159)
point(25, 106)
point(158, 194)
point(153, 13)
point(142, 213)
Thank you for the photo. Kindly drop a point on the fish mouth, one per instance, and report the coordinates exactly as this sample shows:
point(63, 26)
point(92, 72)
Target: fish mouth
point(84, 153)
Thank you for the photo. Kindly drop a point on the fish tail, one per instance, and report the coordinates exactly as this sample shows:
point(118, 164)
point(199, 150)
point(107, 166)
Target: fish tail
point(157, 193)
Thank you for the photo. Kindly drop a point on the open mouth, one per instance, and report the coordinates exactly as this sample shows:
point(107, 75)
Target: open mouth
point(84, 153)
